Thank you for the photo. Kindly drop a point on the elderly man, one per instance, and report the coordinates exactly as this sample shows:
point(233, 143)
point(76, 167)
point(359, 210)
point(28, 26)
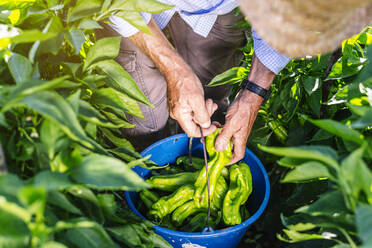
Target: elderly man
point(206, 43)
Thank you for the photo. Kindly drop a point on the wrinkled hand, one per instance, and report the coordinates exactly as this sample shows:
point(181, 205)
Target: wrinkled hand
point(187, 105)
point(239, 121)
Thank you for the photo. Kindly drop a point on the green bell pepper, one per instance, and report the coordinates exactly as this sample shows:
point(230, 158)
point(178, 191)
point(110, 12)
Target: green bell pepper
point(173, 181)
point(166, 204)
point(217, 162)
point(148, 197)
point(181, 213)
point(238, 193)
point(219, 195)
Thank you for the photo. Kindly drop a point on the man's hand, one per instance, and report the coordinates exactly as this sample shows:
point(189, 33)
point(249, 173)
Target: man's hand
point(239, 121)
point(187, 105)
point(185, 92)
point(243, 112)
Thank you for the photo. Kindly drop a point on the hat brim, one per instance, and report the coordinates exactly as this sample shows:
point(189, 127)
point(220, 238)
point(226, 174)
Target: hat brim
point(301, 32)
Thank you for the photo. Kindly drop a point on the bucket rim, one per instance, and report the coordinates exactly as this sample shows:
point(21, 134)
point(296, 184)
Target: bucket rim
point(217, 232)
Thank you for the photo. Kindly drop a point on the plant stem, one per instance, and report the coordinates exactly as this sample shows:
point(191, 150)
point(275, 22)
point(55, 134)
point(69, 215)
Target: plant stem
point(349, 239)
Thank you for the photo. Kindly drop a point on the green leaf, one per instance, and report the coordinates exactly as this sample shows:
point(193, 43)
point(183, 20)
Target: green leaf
point(315, 101)
point(364, 223)
point(35, 200)
point(83, 192)
point(120, 80)
point(151, 6)
point(365, 121)
point(108, 204)
point(125, 234)
point(320, 135)
point(343, 245)
point(74, 100)
point(135, 19)
point(359, 110)
point(101, 172)
point(338, 129)
point(118, 121)
point(83, 8)
point(367, 70)
point(294, 236)
point(158, 241)
point(54, 107)
point(77, 39)
point(10, 184)
point(323, 154)
point(19, 4)
point(103, 49)
point(88, 113)
point(328, 204)
point(95, 237)
point(312, 84)
point(32, 87)
point(3, 121)
point(58, 199)
point(306, 172)
point(52, 45)
point(357, 174)
point(14, 232)
point(53, 244)
point(51, 181)
point(49, 136)
point(126, 153)
point(108, 97)
point(20, 68)
point(31, 36)
point(290, 162)
point(119, 142)
point(346, 67)
point(89, 24)
point(228, 77)
point(290, 96)
point(14, 209)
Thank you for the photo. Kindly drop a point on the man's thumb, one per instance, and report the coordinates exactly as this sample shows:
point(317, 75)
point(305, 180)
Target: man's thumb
point(201, 116)
point(223, 139)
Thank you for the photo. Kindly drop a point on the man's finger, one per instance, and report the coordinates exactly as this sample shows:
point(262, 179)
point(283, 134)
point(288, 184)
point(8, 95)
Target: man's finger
point(224, 137)
point(201, 115)
point(211, 106)
point(239, 149)
point(192, 129)
point(217, 124)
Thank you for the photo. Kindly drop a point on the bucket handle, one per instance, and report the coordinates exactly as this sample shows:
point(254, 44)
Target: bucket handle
point(207, 230)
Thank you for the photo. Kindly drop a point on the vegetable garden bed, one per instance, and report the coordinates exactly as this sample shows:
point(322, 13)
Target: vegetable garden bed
point(63, 100)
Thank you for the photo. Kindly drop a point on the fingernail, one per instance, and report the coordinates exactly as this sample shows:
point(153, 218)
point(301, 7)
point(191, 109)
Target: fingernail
point(205, 125)
point(219, 148)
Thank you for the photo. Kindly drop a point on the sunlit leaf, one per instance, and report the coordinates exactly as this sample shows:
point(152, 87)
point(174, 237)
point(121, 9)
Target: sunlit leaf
point(20, 68)
point(103, 49)
point(101, 172)
point(121, 80)
point(306, 172)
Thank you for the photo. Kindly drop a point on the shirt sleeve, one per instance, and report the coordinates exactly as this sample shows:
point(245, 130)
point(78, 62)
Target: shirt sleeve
point(271, 58)
point(125, 28)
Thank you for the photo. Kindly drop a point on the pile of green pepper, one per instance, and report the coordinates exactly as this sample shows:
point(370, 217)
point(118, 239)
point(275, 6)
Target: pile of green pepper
point(230, 188)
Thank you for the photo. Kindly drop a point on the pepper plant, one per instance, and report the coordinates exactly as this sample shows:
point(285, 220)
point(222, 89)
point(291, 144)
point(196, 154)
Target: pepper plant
point(319, 120)
point(63, 102)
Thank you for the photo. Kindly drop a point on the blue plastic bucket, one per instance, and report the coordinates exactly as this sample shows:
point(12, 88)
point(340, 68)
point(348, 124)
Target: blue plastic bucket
point(167, 151)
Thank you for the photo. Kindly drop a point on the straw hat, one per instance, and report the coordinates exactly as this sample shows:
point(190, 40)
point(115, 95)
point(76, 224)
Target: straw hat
point(307, 27)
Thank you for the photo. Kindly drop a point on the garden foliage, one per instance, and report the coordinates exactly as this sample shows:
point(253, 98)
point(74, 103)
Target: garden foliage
point(316, 127)
point(63, 100)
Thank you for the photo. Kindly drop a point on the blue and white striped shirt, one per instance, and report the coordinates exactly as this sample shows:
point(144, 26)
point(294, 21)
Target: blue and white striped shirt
point(201, 16)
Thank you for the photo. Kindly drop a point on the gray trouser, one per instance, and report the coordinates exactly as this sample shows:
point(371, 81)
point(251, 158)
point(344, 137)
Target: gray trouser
point(207, 57)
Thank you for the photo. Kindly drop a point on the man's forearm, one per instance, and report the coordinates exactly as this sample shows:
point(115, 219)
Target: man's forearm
point(260, 74)
point(161, 52)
